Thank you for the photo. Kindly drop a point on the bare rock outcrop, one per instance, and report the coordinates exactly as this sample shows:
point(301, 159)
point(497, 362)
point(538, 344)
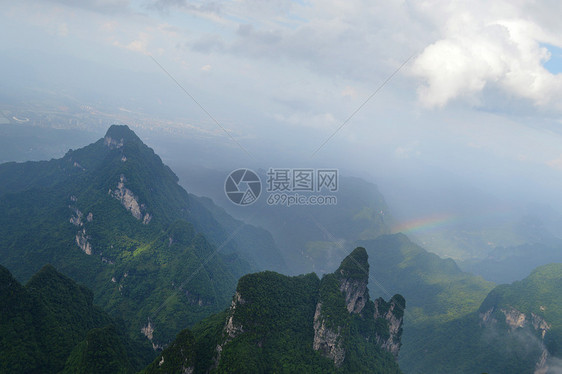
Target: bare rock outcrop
point(130, 201)
point(393, 313)
point(82, 242)
point(355, 291)
point(326, 340)
point(352, 278)
point(517, 320)
point(112, 143)
point(231, 328)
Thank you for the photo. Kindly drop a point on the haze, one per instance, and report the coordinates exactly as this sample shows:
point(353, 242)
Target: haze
point(466, 133)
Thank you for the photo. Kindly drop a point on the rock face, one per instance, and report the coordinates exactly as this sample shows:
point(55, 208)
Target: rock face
point(352, 277)
point(111, 143)
point(231, 329)
point(82, 242)
point(393, 313)
point(148, 331)
point(127, 198)
point(179, 357)
point(299, 319)
point(326, 340)
point(130, 201)
point(76, 219)
point(517, 321)
point(355, 292)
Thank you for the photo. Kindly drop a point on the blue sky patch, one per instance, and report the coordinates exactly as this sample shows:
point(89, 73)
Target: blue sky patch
point(554, 65)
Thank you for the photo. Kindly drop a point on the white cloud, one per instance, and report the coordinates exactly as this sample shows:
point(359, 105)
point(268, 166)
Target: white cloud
point(555, 163)
point(325, 121)
point(349, 92)
point(62, 29)
point(407, 151)
point(488, 47)
point(139, 44)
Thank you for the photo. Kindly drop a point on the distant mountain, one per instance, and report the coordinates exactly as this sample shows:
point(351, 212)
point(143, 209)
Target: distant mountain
point(461, 218)
point(436, 289)
point(112, 216)
point(41, 323)
point(509, 264)
point(26, 142)
point(311, 237)
point(256, 245)
point(297, 325)
point(532, 306)
point(458, 323)
point(517, 329)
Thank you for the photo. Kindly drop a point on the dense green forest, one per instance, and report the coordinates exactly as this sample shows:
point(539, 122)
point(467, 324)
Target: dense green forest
point(270, 327)
point(112, 216)
point(444, 330)
point(49, 318)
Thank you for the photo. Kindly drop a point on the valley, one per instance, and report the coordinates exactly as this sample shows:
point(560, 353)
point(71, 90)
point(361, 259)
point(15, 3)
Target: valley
point(178, 281)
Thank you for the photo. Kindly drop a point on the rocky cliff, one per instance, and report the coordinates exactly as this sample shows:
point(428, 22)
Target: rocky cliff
point(524, 322)
point(531, 327)
point(302, 324)
point(330, 331)
point(392, 313)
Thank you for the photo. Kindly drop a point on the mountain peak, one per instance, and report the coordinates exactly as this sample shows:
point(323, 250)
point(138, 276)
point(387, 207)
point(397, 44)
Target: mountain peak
point(355, 265)
point(336, 310)
point(117, 135)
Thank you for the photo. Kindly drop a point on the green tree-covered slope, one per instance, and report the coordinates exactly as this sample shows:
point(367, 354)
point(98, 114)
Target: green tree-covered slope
point(112, 216)
point(41, 323)
point(517, 329)
point(456, 322)
point(437, 291)
point(299, 324)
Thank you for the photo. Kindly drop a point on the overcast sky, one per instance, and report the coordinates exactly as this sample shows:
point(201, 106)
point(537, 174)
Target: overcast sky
point(479, 96)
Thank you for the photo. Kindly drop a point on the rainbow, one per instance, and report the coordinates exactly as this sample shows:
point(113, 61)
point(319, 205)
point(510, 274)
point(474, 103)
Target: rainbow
point(425, 223)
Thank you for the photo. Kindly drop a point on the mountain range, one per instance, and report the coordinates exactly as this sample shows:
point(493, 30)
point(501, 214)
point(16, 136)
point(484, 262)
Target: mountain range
point(299, 324)
point(458, 322)
point(112, 216)
point(312, 237)
point(46, 327)
point(178, 284)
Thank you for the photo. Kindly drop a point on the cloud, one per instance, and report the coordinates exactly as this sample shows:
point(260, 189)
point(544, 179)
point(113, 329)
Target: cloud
point(317, 120)
point(407, 151)
point(109, 26)
point(555, 163)
point(62, 29)
point(139, 44)
point(349, 92)
point(360, 40)
point(499, 48)
point(100, 6)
